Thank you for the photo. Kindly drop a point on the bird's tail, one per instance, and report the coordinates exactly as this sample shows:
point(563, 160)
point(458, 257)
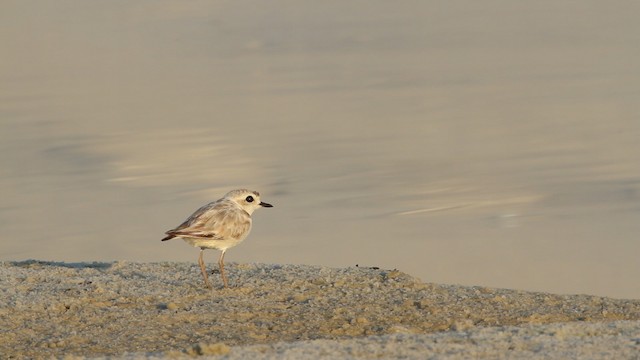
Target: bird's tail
point(168, 237)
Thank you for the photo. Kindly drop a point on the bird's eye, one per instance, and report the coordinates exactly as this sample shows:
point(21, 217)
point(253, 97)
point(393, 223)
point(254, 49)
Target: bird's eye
point(249, 198)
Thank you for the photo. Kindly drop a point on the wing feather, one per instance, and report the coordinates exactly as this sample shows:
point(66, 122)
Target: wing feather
point(220, 220)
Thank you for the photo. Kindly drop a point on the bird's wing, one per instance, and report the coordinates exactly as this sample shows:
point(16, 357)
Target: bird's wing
point(218, 220)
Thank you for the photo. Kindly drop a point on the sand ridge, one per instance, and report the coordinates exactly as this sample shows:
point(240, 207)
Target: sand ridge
point(53, 309)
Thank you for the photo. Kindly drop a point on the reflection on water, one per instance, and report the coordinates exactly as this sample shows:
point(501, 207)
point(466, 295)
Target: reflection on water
point(493, 144)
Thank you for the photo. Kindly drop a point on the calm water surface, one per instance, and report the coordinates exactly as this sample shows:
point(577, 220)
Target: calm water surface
point(490, 143)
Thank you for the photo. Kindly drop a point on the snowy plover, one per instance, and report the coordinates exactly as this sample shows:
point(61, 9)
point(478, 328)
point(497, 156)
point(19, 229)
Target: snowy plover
point(221, 224)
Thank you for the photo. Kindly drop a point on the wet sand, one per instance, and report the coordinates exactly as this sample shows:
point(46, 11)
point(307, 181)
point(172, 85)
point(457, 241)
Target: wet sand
point(124, 309)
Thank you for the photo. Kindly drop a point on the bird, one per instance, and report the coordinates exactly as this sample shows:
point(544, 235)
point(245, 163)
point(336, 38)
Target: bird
point(221, 224)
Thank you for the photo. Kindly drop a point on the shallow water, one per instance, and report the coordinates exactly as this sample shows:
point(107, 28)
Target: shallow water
point(492, 143)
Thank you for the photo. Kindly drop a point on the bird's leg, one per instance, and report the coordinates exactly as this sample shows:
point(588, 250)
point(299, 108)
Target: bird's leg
point(203, 269)
point(221, 263)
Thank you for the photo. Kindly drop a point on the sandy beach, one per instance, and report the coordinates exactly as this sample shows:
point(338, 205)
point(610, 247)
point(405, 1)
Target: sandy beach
point(161, 310)
point(476, 143)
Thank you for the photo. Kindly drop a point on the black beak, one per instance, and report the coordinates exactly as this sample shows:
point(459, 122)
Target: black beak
point(264, 204)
